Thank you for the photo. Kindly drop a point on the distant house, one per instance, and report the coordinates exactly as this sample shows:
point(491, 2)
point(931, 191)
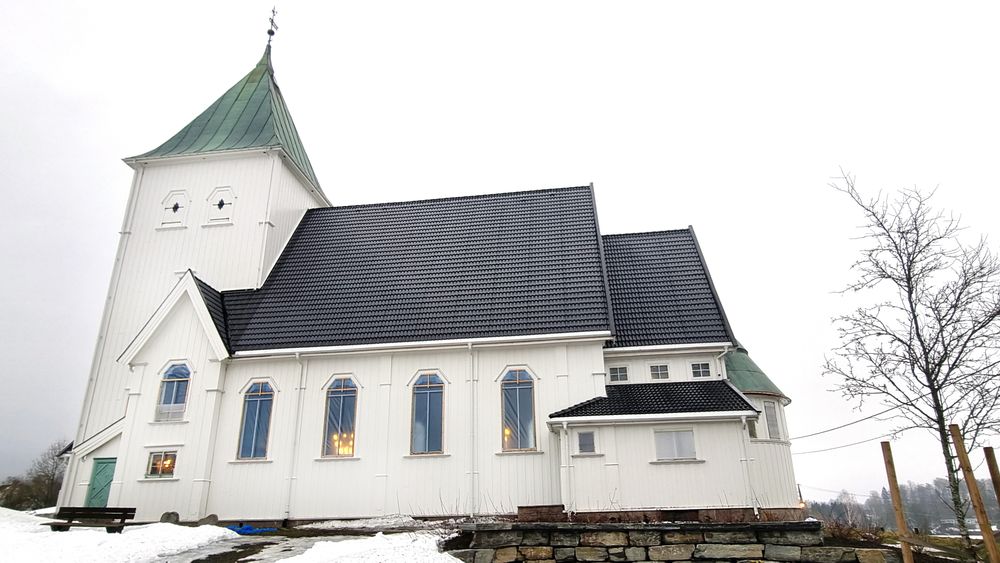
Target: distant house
point(265, 354)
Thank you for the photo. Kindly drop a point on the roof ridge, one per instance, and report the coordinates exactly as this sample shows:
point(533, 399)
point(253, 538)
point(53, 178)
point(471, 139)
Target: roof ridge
point(446, 198)
point(686, 229)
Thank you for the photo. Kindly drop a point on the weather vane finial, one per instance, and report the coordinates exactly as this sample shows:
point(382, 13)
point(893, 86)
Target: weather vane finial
point(274, 26)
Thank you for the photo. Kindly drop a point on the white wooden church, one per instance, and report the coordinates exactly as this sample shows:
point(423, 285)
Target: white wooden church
point(267, 355)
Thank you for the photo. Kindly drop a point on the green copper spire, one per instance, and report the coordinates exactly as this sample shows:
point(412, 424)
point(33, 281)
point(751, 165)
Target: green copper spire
point(252, 114)
point(746, 376)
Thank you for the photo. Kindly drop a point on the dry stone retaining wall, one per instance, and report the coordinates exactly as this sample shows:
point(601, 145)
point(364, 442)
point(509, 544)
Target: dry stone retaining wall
point(695, 543)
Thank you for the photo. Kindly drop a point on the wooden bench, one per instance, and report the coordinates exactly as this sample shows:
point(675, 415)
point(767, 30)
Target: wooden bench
point(111, 519)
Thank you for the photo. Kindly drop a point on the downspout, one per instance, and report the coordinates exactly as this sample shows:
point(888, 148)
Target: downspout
point(295, 437)
point(745, 460)
point(220, 385)
point(721, 364)
point(567, 478)
point(473, 480)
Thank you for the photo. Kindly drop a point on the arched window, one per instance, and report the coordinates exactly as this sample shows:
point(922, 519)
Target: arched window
point(341, 407)
point(257, 402)
point(428, 404)
point(517, 391)
point(173, 393)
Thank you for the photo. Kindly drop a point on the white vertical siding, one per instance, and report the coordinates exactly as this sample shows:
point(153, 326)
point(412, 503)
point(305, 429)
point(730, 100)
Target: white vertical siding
point(623, 477)
point(679, 366)
point(289, 202)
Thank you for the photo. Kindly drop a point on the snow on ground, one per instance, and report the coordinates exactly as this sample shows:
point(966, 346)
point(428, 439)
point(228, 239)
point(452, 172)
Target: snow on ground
point(420, 547)
point(23, 539)
point(396, 522)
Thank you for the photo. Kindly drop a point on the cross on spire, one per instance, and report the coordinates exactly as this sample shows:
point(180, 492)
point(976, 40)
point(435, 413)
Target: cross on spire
point(274, 26)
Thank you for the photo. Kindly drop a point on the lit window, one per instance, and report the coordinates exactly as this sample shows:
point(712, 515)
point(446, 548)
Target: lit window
point(771, 417)
point(220, 205)
point(585, 443)
point(701, 369)
point(257, 404)
point(674, 445)
point(161, 464)
point(341, 407)
point(659, 372)
point(175, 208)
point(173, 393)
point(428, 402)
point(618, 374)
point(517, 391)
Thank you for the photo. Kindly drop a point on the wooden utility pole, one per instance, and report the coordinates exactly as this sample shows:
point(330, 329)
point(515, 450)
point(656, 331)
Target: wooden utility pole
point(897, 503)
point(974, 496)
point(991, 462)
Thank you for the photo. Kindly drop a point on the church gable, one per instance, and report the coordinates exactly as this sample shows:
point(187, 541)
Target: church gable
point(190, 299)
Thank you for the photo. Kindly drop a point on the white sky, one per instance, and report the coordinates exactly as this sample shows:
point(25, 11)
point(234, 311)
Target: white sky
point(731, 117)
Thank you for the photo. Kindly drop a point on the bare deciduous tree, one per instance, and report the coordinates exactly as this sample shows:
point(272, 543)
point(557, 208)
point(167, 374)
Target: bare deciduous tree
point(928, 340)
point(39, 487)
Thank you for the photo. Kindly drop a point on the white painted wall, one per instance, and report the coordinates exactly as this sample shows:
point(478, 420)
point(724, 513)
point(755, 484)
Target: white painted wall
point(151, 258)
point(679, 363)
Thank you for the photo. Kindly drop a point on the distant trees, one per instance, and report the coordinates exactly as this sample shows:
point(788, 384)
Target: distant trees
point(39, 487)
point(921, 503)
point(927, 341)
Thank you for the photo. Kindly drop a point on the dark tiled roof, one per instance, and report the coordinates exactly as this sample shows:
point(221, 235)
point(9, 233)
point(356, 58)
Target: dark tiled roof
point(660, 398)
point(661, 291)
point(506, 264)
point(214, 303)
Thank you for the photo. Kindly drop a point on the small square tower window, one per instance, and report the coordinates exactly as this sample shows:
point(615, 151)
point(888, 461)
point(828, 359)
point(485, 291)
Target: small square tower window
point(701, 369)
point(585, 443)
point(617, 374)
point(221, 203)
point(175, 209)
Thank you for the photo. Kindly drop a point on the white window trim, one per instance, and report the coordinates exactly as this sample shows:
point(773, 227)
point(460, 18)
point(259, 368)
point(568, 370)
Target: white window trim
point(628, 374)
point(444, 399)
point(649, 371)
point(694, 438)
point(357, 402)
point(212, 200)
point(576, 442)
point(534, 409)
point(270, 423)
point(159, 390)
point(777, 421)
point(181, 215)
point(698, 363)
point(149, 465)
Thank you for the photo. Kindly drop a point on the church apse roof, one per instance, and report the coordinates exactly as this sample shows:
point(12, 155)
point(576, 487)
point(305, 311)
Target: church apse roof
point(251, 114)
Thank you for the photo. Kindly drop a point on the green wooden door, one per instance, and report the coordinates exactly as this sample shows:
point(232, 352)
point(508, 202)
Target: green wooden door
point(100, 481)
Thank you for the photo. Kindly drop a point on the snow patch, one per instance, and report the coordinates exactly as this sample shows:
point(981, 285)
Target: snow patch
point(407, 547)
point(395, 521)
point(23, 539)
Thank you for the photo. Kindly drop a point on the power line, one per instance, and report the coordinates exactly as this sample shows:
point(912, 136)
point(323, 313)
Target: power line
point(861, 419)
point(845, 445)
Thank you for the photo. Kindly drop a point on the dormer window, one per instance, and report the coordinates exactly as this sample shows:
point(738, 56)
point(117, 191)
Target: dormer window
point(175, 209)
point(221, 203)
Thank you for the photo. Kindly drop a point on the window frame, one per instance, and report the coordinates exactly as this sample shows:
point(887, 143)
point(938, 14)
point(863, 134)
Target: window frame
point(243, 413)
point(767, 420)
point(413, 409)
point(214, 216)
point(695, 376)
point(619, 380)
point(534, 418)
point(179, 219)
point(580, 451)
point(659, 365)
point(163, 454)
point(158, 414)
point(694, 445)
point(328, 389)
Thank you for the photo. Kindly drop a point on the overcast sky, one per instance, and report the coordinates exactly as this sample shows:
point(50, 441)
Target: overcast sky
point(731, 117)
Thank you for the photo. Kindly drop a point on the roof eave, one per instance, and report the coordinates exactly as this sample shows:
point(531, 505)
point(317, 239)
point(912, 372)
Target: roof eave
point(653, 418)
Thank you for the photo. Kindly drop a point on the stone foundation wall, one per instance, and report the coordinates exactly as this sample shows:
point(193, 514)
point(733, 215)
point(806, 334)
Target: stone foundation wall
point(566, 542)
